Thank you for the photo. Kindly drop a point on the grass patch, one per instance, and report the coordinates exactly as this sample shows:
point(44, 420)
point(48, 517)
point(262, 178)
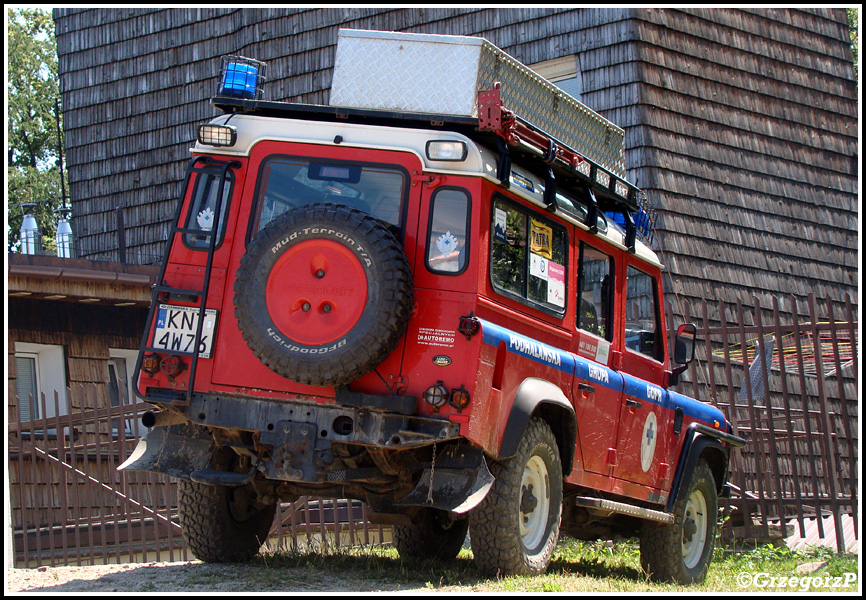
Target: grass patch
point(575, 567)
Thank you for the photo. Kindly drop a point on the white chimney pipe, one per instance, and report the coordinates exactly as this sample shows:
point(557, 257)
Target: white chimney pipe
point(63, 237)
point(31, 236)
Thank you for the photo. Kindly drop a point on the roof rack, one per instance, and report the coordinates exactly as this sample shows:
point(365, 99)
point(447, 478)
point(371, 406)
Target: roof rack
point(496, 118)
point(509, 133)
point(603, 189)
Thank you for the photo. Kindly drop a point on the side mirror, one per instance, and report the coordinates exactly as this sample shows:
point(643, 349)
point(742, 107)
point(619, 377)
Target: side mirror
point(684, 346)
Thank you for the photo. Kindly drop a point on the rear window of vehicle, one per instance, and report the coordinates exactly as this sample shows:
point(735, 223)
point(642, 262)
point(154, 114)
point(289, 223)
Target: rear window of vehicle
point(448, 236)
point(202, 212)
point(286, 183)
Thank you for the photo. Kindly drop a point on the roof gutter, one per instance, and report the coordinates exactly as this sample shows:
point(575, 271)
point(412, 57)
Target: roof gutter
point(76, 274)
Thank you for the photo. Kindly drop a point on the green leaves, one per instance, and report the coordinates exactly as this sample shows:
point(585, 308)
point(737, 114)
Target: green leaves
point(33, 88)
point(854, 32)
point(33, 143)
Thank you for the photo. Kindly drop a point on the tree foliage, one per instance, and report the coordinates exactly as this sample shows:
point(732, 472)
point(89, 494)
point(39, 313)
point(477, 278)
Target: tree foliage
point(854, 32)
point(33, 144)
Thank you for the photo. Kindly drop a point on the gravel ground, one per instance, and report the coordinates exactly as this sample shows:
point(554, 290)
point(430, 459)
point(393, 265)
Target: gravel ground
point(192, 576)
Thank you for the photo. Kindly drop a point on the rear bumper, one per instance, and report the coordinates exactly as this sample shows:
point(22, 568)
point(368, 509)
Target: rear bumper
point(292, 439)
point(292, 442)
point(353, 424)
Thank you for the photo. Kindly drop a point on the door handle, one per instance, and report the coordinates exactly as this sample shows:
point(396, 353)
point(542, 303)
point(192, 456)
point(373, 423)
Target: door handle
point(585, 387)
point(633, 403)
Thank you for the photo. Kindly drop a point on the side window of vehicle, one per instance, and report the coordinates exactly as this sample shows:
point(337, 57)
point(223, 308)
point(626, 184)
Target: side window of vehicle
point(202, 211)
point(641, 313)
point(528, 257)
point(447, 237)
point(595, 285)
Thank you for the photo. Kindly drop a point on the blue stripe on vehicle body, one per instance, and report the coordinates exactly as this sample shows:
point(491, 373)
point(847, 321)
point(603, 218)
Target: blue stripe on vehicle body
point(642, 390)
point(698, 410)
point(588, 370)
point(597, 373)
point(550, 356)
point(527, 347)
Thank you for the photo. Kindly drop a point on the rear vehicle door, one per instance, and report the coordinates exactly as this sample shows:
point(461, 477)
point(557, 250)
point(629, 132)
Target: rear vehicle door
point(289, 176)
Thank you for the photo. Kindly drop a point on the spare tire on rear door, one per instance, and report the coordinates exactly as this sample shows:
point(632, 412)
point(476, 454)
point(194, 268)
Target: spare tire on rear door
point(323, 294)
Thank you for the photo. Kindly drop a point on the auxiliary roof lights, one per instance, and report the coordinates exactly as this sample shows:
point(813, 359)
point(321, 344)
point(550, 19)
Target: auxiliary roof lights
point(242, 77)
point(217, 135)
point(447, 150)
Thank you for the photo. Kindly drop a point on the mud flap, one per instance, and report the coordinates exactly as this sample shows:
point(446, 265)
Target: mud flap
point(176, 450)
point(457, 482)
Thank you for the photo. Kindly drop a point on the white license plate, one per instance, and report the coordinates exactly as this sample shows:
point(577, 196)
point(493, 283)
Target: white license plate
point(175, 329)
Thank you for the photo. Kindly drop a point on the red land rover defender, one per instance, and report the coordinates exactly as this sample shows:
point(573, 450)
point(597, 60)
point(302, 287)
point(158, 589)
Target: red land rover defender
point(435, 314)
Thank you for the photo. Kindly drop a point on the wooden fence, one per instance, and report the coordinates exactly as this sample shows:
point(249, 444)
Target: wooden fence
point(787, 379)
point(71, 506)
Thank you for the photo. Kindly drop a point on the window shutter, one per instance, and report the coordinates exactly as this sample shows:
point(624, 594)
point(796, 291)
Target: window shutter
point(26, 385)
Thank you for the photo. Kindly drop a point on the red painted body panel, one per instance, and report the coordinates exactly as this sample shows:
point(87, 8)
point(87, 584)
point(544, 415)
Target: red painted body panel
point(619, 448)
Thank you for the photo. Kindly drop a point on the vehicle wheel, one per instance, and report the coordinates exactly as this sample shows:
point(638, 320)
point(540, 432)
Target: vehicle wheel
point(323, 294)
point(222, 524)
point(681, 552)
point(515, 528)
point(436, 535)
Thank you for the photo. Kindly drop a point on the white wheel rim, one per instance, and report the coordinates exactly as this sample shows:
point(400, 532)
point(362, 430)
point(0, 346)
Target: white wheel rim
point(696, 517)
point(534, 502)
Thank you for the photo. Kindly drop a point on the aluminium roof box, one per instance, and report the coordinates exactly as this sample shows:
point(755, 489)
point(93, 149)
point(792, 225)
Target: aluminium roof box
point(442, 74)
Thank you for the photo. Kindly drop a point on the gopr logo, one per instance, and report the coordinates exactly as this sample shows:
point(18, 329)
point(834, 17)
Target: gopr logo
point(653, 394)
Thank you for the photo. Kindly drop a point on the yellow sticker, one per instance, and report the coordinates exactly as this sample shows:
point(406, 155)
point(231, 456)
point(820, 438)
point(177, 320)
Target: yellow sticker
point(541, 238)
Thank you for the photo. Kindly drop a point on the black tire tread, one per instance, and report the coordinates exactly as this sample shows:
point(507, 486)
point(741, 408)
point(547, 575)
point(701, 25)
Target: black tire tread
point(661, 545)
point(496, 544)
point(428, 540)
point(209, 529)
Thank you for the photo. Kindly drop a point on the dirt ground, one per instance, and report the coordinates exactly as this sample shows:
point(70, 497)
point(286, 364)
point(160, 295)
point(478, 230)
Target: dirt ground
point(188, 576)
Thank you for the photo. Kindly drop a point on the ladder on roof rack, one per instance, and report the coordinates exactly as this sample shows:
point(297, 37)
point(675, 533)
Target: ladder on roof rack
point(511, 131)
point(164, 292)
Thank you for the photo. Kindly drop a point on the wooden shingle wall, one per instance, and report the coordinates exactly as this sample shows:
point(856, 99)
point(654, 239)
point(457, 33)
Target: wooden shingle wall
point(747, 146)
point(741, 124)
point(132, 86)
point(135, 82)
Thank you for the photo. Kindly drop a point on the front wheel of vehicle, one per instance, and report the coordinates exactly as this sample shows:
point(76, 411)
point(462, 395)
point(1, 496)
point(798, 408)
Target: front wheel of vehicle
point(222, 524)
point(515, 528)
point(681, 552)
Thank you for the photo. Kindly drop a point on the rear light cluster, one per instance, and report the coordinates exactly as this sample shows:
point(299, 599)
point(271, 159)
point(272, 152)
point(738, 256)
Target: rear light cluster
point(172, 365)
point(438, 395)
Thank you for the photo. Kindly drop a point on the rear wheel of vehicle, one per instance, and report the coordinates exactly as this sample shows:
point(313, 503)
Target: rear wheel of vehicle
point(222, 524)
point(681, 552)
point(515, 528)
point(435, 535)
point(323, 294)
